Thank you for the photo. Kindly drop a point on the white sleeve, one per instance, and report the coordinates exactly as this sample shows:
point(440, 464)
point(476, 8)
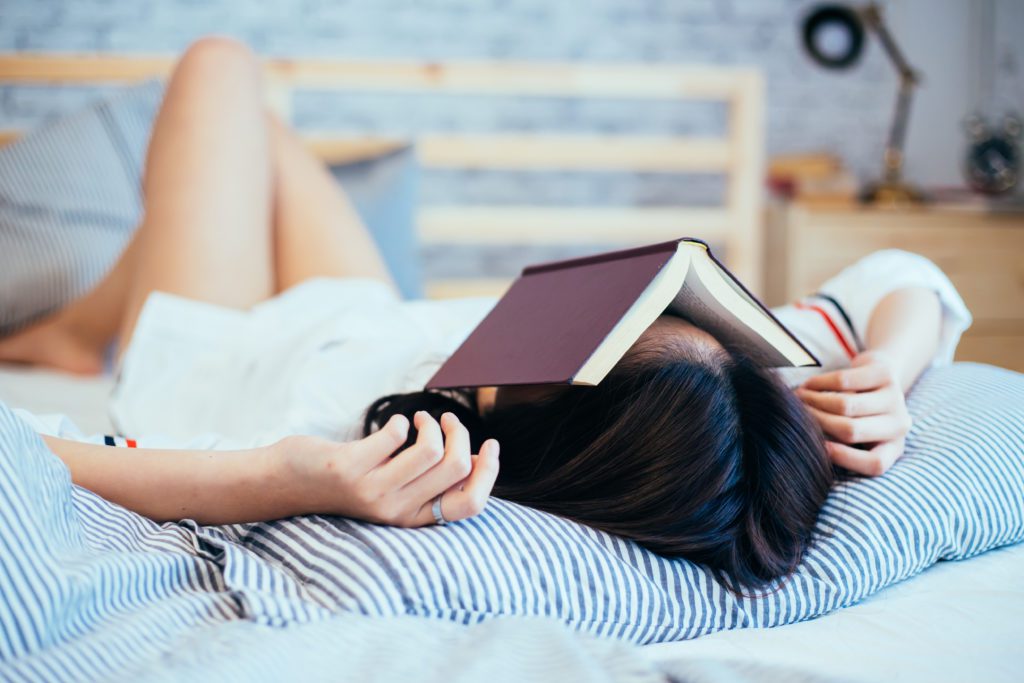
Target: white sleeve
point(62, 427)
point(51, 424)
point(860, 287)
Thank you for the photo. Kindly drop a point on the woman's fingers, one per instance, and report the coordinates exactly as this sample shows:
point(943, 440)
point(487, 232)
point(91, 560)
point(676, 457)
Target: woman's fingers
point(855, 404)
point(462, 484)
point(871, 429)
point(401, 490)
point(456, 435)
point(376, 448)
point(455, 466)
point(863, 378)
point(428, 431)
point(428, 450)
point(469, 500)
point(871, 462)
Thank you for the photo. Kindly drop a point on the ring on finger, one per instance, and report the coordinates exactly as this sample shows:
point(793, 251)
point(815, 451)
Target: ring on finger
point(435, 508)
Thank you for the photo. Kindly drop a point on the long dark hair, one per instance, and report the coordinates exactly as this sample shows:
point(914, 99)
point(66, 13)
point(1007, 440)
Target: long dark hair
point(707, 457)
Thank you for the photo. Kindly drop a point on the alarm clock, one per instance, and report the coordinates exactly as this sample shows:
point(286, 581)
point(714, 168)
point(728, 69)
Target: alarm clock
point(993, 161)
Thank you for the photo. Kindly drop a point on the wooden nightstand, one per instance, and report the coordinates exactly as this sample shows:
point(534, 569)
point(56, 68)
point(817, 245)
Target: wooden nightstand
point(981, 251)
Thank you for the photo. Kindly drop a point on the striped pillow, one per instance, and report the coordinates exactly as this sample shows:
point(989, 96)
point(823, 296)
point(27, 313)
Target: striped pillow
point(83, 572)
point(69, 201)
point(958, 491)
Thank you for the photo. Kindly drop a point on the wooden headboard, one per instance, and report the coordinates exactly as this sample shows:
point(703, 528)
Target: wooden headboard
point(739, 154)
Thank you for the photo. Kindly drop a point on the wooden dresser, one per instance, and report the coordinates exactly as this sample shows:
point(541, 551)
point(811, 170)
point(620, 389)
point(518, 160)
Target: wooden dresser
point(981, 251)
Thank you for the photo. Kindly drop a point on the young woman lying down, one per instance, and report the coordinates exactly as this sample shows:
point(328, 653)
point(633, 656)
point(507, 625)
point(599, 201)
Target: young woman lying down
point(252, 304)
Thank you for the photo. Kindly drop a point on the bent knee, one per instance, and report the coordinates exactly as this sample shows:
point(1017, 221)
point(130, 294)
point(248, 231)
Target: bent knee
point(218, 55)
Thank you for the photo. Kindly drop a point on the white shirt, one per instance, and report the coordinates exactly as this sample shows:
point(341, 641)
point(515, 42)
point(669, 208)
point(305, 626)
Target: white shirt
point(311, 360)
point(833, 322)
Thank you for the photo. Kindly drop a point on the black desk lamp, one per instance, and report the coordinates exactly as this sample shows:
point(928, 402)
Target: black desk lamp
point(854, 22)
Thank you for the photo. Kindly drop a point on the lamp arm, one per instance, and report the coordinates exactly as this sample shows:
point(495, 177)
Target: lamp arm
point(872, 16)
point(897, 133)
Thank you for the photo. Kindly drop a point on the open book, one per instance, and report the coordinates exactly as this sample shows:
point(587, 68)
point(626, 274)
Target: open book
point(569, 322)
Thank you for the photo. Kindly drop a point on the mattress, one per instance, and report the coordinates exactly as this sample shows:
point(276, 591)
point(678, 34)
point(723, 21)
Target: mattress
point(83, 399)
point(956, 621)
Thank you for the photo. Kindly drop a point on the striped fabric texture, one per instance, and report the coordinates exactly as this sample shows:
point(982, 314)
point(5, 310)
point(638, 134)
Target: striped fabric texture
point(94, 592)
point(69, 201)
point(957, 492)
point(97, 589)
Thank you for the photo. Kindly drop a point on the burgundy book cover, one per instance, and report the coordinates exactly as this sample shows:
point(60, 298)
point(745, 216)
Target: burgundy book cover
point(552, 319)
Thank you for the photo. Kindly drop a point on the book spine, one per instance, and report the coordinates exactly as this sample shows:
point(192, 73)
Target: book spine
point(666, 247)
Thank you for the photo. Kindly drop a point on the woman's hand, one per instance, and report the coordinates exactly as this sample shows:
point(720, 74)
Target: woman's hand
point(361, 480)
point(862, 410)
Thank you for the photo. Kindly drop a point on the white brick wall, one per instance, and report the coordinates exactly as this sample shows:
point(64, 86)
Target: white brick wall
point(807, 108)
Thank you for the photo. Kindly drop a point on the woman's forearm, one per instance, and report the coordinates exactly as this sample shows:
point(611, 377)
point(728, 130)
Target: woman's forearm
point(211, 487)
point(905, 326)
point(298, 475)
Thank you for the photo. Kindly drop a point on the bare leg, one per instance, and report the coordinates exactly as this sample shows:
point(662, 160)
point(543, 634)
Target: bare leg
point(206, 233)
point(75, 338)
point(316, 231)
point(206, 229)
point(212, 170)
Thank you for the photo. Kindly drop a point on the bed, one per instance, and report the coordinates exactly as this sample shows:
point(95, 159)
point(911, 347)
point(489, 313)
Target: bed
point(955, 621)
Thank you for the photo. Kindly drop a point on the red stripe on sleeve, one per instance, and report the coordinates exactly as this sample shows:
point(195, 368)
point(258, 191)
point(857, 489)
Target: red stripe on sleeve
point(831, 325)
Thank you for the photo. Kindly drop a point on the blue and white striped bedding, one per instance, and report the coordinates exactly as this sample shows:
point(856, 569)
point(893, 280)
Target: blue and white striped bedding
point(959, 491)
point(94, 592)
point(91, 589)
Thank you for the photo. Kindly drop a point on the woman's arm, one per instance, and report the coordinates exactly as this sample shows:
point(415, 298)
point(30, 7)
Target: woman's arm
point(212, 487)
point(297, 475)
point(863, 408)
point(904, 328)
